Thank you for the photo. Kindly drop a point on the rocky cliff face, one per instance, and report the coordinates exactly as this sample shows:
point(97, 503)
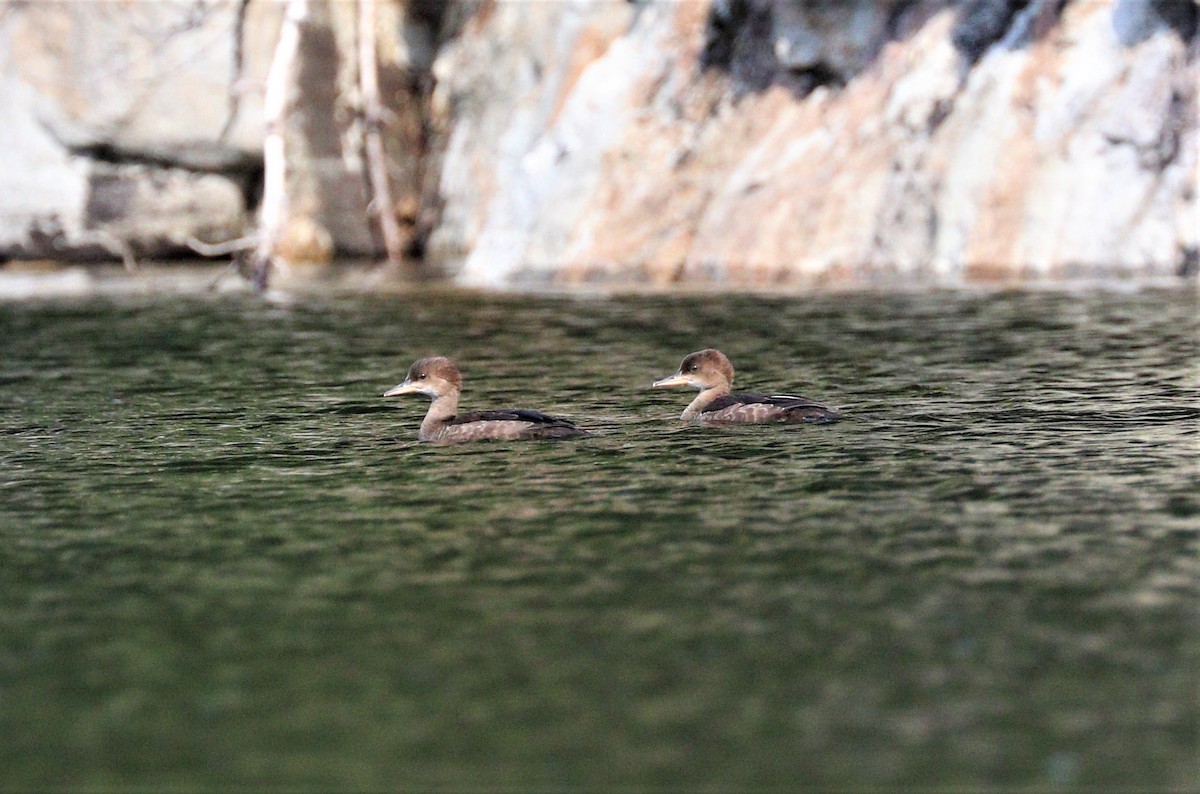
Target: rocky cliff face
point(731, 141)
point(807, 142)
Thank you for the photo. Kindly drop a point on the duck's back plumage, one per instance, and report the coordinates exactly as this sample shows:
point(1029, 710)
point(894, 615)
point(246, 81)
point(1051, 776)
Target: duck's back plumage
point(753, 408)
point(507, 424)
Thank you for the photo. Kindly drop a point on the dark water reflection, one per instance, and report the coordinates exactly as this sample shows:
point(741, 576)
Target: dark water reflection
point(224, 560)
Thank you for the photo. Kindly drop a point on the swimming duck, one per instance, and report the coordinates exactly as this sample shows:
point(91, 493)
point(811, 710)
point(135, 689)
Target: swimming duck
point(438, 378)
point(710, 372)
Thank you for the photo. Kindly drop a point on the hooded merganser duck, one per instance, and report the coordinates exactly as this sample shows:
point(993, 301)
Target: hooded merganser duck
point(438, 378)
point(710, 372)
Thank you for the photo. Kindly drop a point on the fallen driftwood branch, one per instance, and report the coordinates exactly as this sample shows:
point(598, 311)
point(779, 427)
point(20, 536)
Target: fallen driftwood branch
point(236, 247)
point(226, 248)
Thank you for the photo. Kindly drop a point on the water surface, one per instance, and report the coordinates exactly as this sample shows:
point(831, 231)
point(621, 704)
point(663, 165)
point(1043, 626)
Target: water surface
point(226, 562)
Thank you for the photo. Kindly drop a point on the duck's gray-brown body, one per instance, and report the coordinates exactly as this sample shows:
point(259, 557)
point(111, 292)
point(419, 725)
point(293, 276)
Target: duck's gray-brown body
point(711, 372)
point(438, 378)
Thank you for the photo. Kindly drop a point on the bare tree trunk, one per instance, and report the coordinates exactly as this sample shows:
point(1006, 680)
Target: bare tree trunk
point(273, 213)
point(377, 164)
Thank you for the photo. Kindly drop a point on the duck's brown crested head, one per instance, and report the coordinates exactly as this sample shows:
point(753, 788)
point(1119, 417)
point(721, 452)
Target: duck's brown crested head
point(432, 377)
point(703, 369)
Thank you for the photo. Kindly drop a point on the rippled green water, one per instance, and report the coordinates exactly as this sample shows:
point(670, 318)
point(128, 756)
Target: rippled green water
point(224, 560)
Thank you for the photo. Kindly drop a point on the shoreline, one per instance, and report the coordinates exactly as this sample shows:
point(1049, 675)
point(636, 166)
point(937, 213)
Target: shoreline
point(42, 280)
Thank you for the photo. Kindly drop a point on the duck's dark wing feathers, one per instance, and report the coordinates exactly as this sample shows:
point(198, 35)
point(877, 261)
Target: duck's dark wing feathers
point(542, 425)
point(510, 415)
point(787, 407)
point(782, 400)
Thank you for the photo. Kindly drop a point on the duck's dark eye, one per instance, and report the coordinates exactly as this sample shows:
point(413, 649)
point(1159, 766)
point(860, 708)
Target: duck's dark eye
point(693, 367)
point(422, 376)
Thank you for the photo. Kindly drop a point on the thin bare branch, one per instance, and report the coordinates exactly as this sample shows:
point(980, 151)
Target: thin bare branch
point(381, 203)
point(237, 75)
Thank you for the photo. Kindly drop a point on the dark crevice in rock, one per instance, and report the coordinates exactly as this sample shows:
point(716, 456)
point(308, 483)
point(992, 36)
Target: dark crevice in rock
point(982, 23)
point(803, 81)
point(428, 26)
point(107, 153)
point(725, 26)
point(797, 44)
point(898, 20)
point(251, 184)
point(225, 162)
point(1156, 155)
point(942, 109)
point(1169, 144)
point(1189, 262)
point(431, 24)
point(436, 19)
point(738, 39)
point(1181, 16)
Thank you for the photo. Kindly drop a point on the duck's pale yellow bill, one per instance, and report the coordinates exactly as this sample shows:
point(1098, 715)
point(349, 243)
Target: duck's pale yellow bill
point(672, 380)
point(408, 387)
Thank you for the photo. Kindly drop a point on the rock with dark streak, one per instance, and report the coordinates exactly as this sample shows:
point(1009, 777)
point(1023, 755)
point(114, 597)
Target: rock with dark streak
point(799, 44)
point(982, 23)
point(664, 160)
